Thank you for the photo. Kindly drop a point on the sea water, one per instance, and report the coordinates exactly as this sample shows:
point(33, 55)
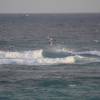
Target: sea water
point(32, 69)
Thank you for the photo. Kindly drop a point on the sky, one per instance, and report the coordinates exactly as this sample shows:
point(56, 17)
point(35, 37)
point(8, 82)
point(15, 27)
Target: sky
point(49, 6)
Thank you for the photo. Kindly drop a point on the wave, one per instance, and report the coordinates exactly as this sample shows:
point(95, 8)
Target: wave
point(43, 57)
point(60, 50)
point(87, 53)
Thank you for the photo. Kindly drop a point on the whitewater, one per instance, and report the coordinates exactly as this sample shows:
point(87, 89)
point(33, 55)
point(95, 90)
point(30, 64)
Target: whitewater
point(38, 57)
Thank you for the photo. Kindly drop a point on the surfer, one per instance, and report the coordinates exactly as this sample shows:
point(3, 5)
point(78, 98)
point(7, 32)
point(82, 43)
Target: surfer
point(50, 41)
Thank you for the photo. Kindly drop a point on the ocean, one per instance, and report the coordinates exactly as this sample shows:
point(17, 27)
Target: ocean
point(49, 56)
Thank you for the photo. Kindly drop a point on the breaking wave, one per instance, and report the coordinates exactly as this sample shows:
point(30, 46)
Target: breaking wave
point(49, 57)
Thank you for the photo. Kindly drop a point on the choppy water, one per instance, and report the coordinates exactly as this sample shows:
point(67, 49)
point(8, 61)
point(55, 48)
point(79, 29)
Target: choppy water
point(31, 69)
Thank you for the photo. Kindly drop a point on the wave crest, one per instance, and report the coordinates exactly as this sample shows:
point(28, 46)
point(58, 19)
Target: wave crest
point(37, 57)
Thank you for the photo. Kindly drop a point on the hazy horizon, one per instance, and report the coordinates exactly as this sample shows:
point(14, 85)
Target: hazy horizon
point(49, 6)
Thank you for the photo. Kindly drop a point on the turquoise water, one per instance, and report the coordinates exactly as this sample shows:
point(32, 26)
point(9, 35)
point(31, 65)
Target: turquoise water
point(76, 32)
point(50, 82)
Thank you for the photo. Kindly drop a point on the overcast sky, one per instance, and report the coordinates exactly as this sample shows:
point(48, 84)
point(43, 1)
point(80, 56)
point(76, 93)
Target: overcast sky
point(49, 6)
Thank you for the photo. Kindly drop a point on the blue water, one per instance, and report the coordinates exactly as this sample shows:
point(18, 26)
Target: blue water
point(76, 35)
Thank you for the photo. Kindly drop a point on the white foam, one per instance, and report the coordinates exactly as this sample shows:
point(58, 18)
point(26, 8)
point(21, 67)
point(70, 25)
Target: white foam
point(24, 54)
point(65, 60)
point(35, 57)
point(72, 85)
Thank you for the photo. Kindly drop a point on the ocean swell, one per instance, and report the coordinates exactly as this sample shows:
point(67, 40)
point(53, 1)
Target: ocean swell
point(39, 57)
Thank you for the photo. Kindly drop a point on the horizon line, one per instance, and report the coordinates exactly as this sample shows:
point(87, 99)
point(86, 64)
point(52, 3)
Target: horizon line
point(53, 13)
